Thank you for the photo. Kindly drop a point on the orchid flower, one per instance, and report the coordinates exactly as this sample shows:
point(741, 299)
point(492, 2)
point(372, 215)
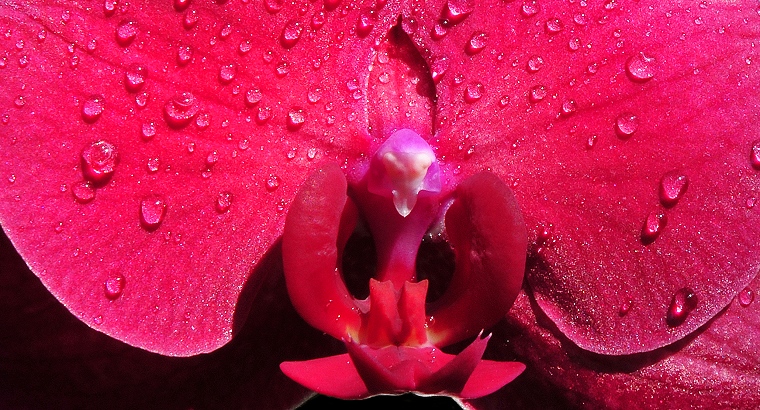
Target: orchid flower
point(237, 203)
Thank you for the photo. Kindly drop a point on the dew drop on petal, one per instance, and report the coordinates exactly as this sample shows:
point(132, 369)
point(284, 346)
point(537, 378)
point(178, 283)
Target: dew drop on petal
point(568, 108)
point(438, 31)
point(147, 131)
point(626, 124)
point(227, 73)
point(181, 5)
point(203, 121)
point(99, 161)
point(184, 55)
point(180, 110)
point(318, 20)
point(223, 202)
point(574, 44)
point(109, 7)
point(591, 141)
point(273, 6)
point(134, 78)
point(365, 24)
point(535, 63)
point(746, 297)
point(455, 11)
point(83, 191)
point(190, 20)
point(98, 320)
point(672, 187)
point(473, 92)
point(438, 68)
point(554, 25)
point(477, 43)
point(152, 212)
point(152, 165)
point(114, 286)
point(291, 33)
point(640, 67)
point(272, 183)
point(653, 225)
point(126, 32)
point(296, 119)
point(537, 93)
point(625, 307)
point(263, 115)
point(92, 108)
point(684, 301)
point(530, 8)
point(754, 155)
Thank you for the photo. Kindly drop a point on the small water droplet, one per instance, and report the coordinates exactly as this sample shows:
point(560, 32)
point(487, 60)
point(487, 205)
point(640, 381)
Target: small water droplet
point(640, 67)
point(92, 108)
point(438, 68)
point(114, 286)
point(212, 158)
point(592, 68)
point(684, 302)
point(625, 307)
point(554, 25)
point(296, 119)
point(568, 108)
point(184, 55)
point(98, 320)
point(535, 63)
point(672, 187)
point(653, 226)
point(366, 23)
point(243, 144)
point(252, 97)
point(530, 8)
point(503, 101)
point(754, 155)
point(311, 153)
point(126, 32)
point(455, 11)
point(99, 161)
point(473, 92)
point(152, 212)
point(109, 7)
point(291, 33)
point(203, 121)
point(181, 5)
point(282, 69)
point(223, 202)
point(134, 78)
point(273, 6)
point(318, 20)
point(746, 297)
point(626, 124)
point(227, 73)
point(580, 19)
point(20, 101)
point(83, 191)
point(12, 178)
point(315, 94)
point(152, 165)
point(438, 31)
point(245, 47)
point(477, 43)
point(263, 115)
point(190, 19)
point(574, 44)
point(272, 183)
point(181, 109)
point(226, 31)
point(147, 131)
point(591, 141)
point(58, 227)
point(537, 93)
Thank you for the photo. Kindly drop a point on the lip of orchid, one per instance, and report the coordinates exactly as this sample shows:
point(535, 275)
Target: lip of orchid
point(483, 224)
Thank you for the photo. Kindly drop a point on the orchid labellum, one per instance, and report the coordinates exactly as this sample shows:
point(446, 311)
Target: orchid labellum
point(539, 203)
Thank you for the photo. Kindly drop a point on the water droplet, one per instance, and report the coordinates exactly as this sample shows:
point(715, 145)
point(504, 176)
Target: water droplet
point(653, 226)
point(99, 161)
point(477, 43)
point(109, 7)
point(223, 202)
point(568, 108)
point(282, 69)
point(366, 23)
point(580, 19)
point(152, 165)
point(203, 121)
point(92, 108)
point(530, 8)
point(184, 55)
point(134, 78)
point(746, 297)
point(537, 93)
point(83, 191)
point(152, 212)
point(190, 147)
point(640, 67)
point(291, 33)
point(20, 101)
point(148, 131)
point(190, 19)
point(318, 20)
point(243, 144)
point(126, 32)
point(273, 6)
point(438, 68)
point(473, 92)
point(684, 302)
point(227, 73)
point(626, 124)
point(754, 154)
point(296, 119)
point(314, 95)
point(58, 227)
point(263, 115)
point(591, 141)
point(672, 187)
point(98, 320)
point(311, 153)
point(554, 25)
point(252, 97)
point(438, 31)
point(212, 158)
point(535, 63)
point(245, 47)
point(12, 178)
point(625, 307)
point(456, 11)
point(181, 5)
point(114, 286)
point(272, 183)
point(226, 31)
point(180, 110)
point(574, 44)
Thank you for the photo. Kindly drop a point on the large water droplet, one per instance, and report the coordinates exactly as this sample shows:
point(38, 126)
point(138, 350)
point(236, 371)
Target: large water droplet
point(653, 226)
point(684, 302)
point(640, 67)
point(746, 297)
point(473, 92)
point(296, 119)
point(530, 8)
point(438, 31)
point(152, 212)
point(438, 68)
point(134, 78)
point(477, 43)
point(227, 73)
point(537, 93)
point(455, 11)
point(181, 5)
point(99, 161)
point(366, 23)
point(534, 64)
point(252, 97)
point(672, 187)
point(181, 109)
point(291, 33)
point(126, 32)
point(626, 124)
point(190, 20)
point(223, 202)
point(272, 183)
point(92, 108)
point(554, 25)
point(83, 191)
point(754, 155)
point(114, 286)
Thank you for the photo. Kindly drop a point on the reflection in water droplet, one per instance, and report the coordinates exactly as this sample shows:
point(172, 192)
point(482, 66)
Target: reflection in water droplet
point(530, 8)
point(152, 212)
point(273, 182)
point(684, 302)
point(223, 202)
point(626, 124)
point(477, 43)
point(534, 64)
point(83, 191)
point(568, 108)
point(653, 226)
point(92, 108)
point(438, 31)
point(227, 73)
point(291, 33)
point(184, 55)
point(754, 155)
point(252, 97)
point(148, 131)
point(190, 19)
point(438, 68)
point(537, 93)
point(746, 297)
point(455, 11)
point(99, 161)
point(640, 67)
point(473, 92)
point(554, 25)
point(672, 187)
point(134, 78)
point(126, 32)
point(114, 286)
point(180, 110)
point(625, 307)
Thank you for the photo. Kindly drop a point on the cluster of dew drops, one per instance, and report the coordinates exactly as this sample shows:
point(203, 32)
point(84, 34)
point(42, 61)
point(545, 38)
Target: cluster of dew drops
point(99, 160)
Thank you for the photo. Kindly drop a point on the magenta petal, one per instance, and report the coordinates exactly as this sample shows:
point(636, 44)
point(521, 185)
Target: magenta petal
point(333, 376)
